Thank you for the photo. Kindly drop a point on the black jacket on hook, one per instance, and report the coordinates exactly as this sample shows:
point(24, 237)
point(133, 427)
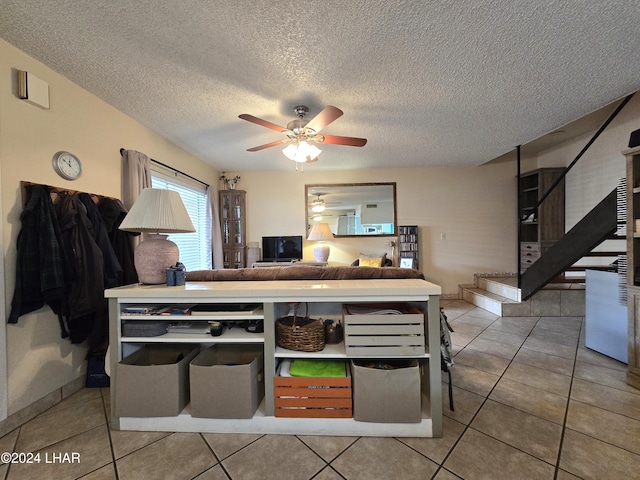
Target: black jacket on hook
point(41, 269)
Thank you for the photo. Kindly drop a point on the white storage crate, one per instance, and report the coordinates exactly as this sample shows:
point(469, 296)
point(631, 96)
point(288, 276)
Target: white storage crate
point(383, 329)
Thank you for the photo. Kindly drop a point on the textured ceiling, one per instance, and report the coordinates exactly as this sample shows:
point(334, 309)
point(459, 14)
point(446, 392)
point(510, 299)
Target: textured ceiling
point(426, 82)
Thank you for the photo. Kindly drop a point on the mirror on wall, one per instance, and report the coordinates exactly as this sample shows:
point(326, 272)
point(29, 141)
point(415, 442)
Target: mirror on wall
point(353, 209)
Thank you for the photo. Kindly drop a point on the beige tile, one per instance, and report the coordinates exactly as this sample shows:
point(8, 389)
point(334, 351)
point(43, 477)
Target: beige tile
point(499, 349)
point(460, 340)
point(166, 459)
point(372, 458)
point(545, 302)
point(74, 386)
point(539, 378)
point(7, 443)
point(604, 376)
point(607, 398)
point(474, 380)
point(589, 458)
point(613, 428)
point(436, 449)
point(569, 340)
point(494, 335)
point(521, 430)
point(214, 473)
point(467, 329)
point(85, 453)
point(50, 428)
point(444, 474)
point(572, 302)
point(480, 456)
point(564, 324)
point(124, 442)
point(108, 472)
point(225, 444)
point(517, 309)
point(479, 316)
point(274, 456)
point(551, 348)
point(562, 475)
point(328, 473)
point(595, 358)
point(327, 447)
point(532, 400)
point(29, 412)
point(466, 404)
point(517, 325)
point(545, 361)
point(76, 399)
point(482, 361)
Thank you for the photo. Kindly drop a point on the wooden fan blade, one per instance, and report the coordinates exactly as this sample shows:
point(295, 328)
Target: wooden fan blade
point(350, 141)
point(267, 145)
point(259, 121)
point(324, 118)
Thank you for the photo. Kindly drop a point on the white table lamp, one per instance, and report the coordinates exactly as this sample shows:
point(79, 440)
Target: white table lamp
point(320, 233)
point(156, 212)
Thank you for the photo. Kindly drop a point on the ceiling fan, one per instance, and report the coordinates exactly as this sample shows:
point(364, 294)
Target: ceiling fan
point(301, 134)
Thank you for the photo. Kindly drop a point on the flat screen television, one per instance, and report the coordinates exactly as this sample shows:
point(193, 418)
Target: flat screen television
point(282, 249)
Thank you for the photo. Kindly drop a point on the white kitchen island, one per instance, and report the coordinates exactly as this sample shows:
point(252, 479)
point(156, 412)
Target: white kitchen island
point(325, 299)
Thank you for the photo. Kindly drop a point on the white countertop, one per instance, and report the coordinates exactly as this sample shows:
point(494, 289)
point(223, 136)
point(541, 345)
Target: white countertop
point(282, 290)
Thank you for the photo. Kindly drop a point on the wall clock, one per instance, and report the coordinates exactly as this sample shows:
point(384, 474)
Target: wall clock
point(67, 165)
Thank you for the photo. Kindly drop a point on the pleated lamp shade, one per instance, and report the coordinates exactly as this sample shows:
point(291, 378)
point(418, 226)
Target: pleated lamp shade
point(156, 211)
point(320, 232)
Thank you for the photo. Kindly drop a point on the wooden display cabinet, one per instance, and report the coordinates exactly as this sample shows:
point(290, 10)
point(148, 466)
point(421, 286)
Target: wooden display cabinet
point(233, 228)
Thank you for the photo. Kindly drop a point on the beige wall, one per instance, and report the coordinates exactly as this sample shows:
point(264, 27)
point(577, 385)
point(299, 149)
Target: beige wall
point(600, 168)
point(38, 361)
point(472, 207)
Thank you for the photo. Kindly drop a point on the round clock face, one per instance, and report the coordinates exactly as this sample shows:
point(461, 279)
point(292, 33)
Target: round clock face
point(67, 165)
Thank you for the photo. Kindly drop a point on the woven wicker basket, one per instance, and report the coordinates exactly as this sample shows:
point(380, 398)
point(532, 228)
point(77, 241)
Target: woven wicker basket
point(302, 334)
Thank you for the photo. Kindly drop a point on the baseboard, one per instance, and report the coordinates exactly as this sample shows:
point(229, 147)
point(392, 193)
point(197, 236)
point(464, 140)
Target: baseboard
point(450, 296)
point(39, 406)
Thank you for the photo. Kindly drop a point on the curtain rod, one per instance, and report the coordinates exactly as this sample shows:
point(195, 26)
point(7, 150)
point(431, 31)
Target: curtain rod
point(122, 150)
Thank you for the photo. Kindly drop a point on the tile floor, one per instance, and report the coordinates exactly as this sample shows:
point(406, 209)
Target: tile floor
point(531, 402)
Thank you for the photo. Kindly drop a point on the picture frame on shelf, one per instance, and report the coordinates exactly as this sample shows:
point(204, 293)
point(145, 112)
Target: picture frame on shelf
point(406, 263)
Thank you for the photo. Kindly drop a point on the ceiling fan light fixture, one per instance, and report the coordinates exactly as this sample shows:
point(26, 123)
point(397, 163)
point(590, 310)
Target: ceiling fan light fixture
point(301, 152)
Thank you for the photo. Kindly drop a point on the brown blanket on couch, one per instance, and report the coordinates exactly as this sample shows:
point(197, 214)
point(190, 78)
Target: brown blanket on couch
point(302, 272)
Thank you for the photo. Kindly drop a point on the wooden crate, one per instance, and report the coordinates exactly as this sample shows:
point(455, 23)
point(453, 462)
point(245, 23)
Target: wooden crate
point(371, 335)
point(326, 397)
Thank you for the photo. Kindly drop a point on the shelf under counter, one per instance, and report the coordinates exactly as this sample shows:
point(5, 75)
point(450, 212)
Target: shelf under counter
point(239, 336)
point(262, 423)
point(199, 317)
point(336, 351)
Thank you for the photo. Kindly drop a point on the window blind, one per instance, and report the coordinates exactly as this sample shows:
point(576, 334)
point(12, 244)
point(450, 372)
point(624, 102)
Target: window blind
point(195, 248)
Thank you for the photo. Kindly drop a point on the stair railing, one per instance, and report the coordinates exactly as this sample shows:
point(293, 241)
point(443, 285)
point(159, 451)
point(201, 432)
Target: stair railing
point(561, 177)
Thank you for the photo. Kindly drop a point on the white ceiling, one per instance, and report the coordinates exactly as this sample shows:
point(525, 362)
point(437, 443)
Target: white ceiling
point(457, 82)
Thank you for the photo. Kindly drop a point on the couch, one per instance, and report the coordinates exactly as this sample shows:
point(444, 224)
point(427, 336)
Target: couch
point(302, 272)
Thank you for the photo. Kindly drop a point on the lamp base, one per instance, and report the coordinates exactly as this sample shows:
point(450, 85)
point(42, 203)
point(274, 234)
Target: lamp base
point(153, 256)
point(321, 252)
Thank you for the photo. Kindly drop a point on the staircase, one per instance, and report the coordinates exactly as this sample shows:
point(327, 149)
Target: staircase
point(597, 226)
point(554, 284)
point(499, 294)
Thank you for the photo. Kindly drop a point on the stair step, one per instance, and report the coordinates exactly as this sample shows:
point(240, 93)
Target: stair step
point(604, 254)
point(582, 268)
point(559, 304)
point(486, 300)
